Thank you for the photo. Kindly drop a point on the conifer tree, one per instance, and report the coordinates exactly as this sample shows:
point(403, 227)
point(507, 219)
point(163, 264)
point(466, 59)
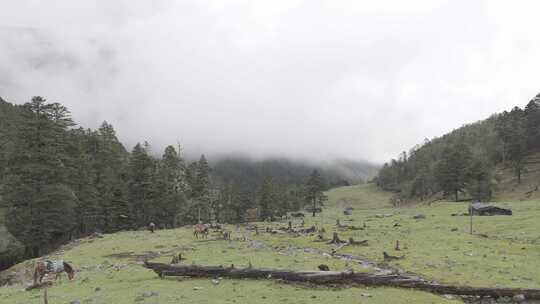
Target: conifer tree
point(140, 185)
point(42, 207)
point(169, 195)
point(267, 200)
point(532, 114)
point(314, 194)
point(453, 169)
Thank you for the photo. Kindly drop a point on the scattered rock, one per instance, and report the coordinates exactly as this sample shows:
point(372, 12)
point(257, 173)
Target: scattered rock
point(215, 281)
point(149, 294)
point(454, 229)
point(97, 289)
point(518, 298)
point(366, 295)
point(324, 267)
point(483, 209)
point(419, 217)
point(449, 297)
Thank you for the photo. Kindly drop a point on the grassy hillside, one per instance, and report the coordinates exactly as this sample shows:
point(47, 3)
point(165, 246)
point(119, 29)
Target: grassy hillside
point(110, 271)
point(365, 196)
point(506, 188)
point(504, 251)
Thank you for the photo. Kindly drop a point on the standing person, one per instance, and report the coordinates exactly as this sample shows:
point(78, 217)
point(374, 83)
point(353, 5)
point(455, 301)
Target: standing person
point(152, 227)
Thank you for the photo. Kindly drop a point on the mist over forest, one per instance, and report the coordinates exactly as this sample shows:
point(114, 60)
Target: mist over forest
point(269, 151)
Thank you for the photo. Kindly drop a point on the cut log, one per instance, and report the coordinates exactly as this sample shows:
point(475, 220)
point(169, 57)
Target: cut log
point(388, 257)
point(353, 242)
point(348, 278)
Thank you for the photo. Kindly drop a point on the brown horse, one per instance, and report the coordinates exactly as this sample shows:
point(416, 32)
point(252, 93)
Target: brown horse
point(49, 267)
point(201, 229)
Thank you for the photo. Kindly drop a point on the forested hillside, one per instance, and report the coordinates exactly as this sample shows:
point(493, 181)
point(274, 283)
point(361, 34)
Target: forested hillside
point(59, 181)
point(248, 173)
point(463, 163)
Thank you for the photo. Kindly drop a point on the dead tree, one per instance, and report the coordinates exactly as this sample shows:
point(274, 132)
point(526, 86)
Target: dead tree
point(347, 278)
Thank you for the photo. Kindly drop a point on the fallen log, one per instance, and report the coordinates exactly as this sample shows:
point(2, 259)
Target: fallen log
point(388, 257)
point(335, 277)
point(353, 242)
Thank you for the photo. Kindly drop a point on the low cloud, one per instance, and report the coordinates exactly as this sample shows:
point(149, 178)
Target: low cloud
point(309, 79)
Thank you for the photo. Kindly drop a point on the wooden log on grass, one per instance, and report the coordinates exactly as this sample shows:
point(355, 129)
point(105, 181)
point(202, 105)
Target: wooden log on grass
point(353, 242)
point(347, 278)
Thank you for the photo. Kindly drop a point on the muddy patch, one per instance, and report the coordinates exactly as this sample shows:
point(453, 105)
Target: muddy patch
point(139, 257)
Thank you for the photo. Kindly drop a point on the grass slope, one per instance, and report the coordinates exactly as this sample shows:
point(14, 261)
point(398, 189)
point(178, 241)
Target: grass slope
point(504, 251)
point(108, 273)
point(507, 188)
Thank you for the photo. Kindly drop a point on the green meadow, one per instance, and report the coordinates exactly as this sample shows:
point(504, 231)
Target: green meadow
point(502, 251)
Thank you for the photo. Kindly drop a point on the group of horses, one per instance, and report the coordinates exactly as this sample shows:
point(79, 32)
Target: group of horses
point(56, 268)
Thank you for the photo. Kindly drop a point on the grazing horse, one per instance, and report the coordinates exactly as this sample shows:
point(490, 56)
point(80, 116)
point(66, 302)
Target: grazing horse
point(201, 229)
point(52, 267)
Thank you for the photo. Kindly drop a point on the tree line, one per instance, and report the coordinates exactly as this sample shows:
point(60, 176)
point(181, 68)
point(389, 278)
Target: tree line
point(462, 164)
point(59, 181)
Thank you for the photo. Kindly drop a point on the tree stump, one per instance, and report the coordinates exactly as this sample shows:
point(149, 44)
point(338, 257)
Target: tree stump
point(335, 239)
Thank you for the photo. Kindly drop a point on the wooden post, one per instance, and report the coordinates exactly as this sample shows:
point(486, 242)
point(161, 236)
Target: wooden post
point(322, 220)
point(470, 215)
point(45, 299)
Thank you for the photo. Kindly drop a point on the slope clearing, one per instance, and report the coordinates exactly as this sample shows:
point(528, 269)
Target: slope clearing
point(503, 251)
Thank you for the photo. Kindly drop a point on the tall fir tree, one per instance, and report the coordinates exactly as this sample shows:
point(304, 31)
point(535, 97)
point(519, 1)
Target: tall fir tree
point(453, 168)
point(41, 205)
point(169, 184)
point(532, 115)
point(314, 194)
point(140, 185)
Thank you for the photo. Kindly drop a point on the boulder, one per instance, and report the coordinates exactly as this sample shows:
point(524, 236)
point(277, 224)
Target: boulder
point(483, 209)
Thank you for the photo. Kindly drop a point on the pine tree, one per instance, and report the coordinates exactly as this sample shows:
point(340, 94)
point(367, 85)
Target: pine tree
point(267, 199)
point(42, 206)
point(111, 176)
point(512, 130)
point(201, 186)
point(479, 186)
point(453, 169)
point(169, 194)
point(532, 114)
point(140, 185)
point(81, 179)
point(314, 194)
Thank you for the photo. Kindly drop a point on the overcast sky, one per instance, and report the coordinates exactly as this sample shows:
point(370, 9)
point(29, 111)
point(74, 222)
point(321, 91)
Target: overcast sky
point(318, 79)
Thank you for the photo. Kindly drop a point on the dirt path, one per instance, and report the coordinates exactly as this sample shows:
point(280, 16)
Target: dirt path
point(382, 270)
